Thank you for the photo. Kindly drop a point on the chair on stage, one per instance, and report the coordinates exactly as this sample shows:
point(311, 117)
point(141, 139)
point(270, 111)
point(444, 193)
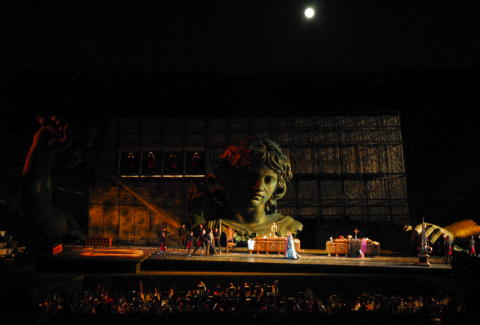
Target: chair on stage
point(230, 240)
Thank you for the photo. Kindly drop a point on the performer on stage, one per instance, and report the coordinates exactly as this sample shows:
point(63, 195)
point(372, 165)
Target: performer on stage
point(216, 238)
point(290, 252)
point(198, 230)
point(447, 250)
point(163, 243)
point(210, 242)
point(363, 247)
point(471, 246)
point(182, 235)
point(200, 241)
point(164, 229)
point(440, 245)
point(243, 191)
point(190, 242)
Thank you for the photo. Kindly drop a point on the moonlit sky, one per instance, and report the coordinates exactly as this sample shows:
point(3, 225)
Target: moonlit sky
point(240, 36)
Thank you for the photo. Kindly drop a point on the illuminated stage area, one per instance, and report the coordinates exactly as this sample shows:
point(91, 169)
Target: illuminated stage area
point(145, 260)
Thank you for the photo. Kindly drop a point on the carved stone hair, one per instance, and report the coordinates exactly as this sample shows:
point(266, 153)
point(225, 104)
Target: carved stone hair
point(255, 151)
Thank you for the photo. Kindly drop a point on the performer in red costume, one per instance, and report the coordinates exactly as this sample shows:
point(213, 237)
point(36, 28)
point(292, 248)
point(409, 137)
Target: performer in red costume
point(163, 243)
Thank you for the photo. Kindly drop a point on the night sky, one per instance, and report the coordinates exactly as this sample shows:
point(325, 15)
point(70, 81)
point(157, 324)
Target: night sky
point(239, 36)
point(418, 58)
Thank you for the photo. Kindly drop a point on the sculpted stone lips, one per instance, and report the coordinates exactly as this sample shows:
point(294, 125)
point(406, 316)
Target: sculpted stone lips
point(257, 195)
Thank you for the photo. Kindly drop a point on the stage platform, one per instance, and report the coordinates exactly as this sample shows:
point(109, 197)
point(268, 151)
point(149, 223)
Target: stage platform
point(145, 260)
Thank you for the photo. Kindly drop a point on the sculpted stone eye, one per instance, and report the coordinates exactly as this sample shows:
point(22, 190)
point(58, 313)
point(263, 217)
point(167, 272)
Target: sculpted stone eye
point(268, 179)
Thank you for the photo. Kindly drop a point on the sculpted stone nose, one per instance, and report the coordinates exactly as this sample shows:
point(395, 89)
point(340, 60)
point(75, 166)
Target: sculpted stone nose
point(259, 183)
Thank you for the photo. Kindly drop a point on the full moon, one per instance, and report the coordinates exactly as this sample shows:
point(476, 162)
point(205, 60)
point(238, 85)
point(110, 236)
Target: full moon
point(309, 13)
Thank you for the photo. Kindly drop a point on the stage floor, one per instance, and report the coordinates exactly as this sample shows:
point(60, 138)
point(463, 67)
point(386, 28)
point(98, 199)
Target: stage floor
point(310, 259)
point(145, 260)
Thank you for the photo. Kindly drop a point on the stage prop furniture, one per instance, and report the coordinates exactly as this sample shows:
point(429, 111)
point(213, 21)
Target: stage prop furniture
point(373, 248)
point(352, 247)
point(231, 246)
point(4, 252)
point(98, 241)
point(273, 245)
point(337, 247)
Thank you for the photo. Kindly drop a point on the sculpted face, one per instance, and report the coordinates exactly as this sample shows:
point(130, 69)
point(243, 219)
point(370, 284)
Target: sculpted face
point(254, 186)
point(244, 189)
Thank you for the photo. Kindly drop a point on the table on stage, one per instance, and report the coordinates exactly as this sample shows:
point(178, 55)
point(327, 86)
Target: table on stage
point(271, 245)
point(350, 247)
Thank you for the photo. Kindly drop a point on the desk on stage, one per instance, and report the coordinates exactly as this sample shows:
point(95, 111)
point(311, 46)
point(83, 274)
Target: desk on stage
point(272, 245)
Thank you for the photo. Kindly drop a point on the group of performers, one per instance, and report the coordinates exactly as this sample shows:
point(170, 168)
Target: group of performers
point(444, 247)
point(208, 241)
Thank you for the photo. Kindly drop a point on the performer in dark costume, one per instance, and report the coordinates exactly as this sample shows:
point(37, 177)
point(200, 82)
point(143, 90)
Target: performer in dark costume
point(447, 250)
point(216, 239)
point(164, 229)
point(200, 241)
point(190, 242)
point(198, 230)
point(182, 235)
point(440, 245)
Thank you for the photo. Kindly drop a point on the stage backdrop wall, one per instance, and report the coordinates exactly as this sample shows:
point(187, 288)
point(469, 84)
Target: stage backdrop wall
point(348, 169)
